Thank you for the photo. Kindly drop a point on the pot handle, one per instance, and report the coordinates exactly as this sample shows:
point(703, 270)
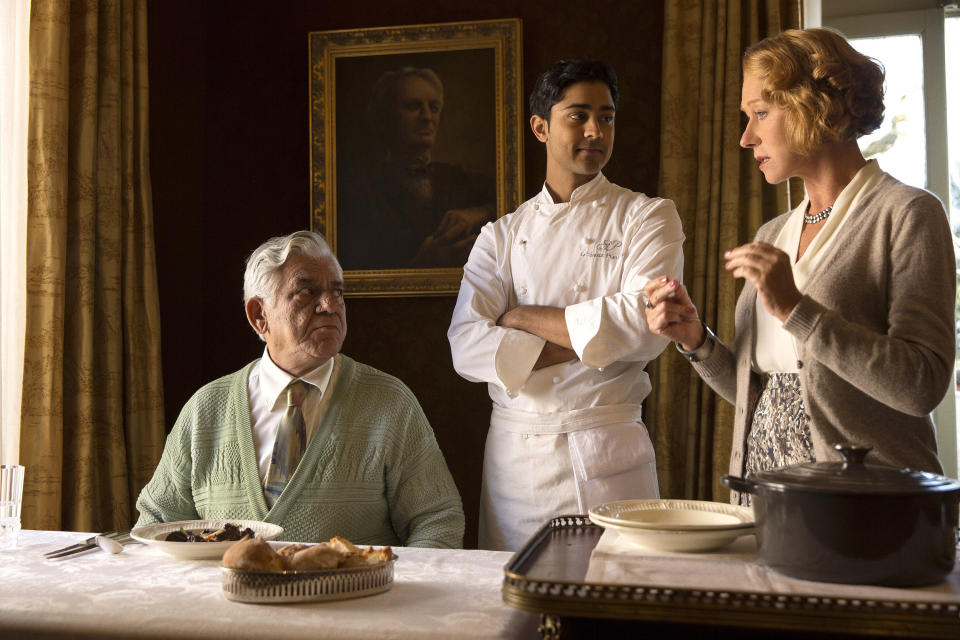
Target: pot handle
point(852, 453)
point(738, 484)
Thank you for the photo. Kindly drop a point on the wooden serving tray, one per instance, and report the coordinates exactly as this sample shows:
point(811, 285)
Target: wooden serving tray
point(547, 576)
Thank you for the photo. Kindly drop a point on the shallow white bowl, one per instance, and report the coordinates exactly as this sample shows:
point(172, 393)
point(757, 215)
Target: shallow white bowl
point(677, 540)
point(154, 534)
point(673, 515)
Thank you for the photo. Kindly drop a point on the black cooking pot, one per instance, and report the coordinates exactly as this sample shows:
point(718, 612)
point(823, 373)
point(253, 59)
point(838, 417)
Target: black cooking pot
point(854, 522)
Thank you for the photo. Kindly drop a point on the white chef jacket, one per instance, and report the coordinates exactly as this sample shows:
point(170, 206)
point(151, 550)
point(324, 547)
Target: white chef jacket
point(591, 256)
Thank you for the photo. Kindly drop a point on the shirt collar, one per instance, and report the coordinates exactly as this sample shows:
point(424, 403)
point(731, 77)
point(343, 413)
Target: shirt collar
point(274, 380)
point(585, 192)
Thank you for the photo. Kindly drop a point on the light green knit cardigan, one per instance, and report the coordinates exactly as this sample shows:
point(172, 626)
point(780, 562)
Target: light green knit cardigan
point(372, 472)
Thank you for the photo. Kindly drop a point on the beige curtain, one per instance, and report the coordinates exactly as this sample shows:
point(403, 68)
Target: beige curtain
point(722, 200)
point(92, 418)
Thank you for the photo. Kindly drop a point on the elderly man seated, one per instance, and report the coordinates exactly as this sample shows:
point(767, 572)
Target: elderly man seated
point(306, 437)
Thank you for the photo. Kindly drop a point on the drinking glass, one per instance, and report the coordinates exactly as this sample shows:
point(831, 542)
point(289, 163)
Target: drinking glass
point(11, 497)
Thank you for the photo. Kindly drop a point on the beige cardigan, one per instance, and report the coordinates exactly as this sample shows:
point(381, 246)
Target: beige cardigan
point(874, 333)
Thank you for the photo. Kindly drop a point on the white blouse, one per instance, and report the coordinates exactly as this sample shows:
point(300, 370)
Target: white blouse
point(774, 349)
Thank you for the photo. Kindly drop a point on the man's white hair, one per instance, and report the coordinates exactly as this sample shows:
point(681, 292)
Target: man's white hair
point(262, 275)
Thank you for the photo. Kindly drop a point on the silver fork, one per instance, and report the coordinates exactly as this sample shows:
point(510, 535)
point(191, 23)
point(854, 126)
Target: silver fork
point(86, 545)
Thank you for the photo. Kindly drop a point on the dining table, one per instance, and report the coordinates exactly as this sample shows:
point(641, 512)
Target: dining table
point(142, 592)
point(571, 580)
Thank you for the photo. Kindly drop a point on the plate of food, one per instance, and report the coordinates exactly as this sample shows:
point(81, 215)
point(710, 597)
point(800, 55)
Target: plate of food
point(262, 572)
point(202, 539)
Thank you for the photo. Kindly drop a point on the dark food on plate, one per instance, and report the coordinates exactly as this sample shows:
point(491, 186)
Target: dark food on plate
point(225, 533)
point(337, 553)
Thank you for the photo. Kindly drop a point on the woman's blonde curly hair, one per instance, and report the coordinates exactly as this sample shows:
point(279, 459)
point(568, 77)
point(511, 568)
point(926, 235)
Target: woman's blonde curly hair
point(830, 91)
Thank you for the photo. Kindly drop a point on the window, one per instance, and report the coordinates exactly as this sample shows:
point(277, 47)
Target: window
point(14, 29)
point(915, 40)
point(900, 144)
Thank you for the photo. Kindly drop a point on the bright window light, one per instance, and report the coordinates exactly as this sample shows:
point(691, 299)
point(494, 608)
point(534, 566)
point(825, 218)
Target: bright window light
point(899, 145)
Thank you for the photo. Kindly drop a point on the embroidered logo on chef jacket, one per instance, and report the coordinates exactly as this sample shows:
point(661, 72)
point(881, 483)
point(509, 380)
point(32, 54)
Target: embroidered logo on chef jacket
point(603, 249)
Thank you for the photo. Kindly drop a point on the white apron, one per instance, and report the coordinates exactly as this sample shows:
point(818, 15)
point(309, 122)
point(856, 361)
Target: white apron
point(537, 466)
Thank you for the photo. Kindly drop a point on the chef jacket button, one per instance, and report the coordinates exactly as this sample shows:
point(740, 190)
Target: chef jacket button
point(556, 380)
point(588, 241)
point(536, 207)
point(799, 364)
point(523, 291)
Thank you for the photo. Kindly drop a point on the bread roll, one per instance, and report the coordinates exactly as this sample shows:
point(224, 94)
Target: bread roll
point(376, 556)
point(318, 556)
point(286, 554)
point(343, 545)
point(252, 554)
point(352, 560)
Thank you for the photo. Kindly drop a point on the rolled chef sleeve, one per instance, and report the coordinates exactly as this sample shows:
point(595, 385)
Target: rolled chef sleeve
point(611, 328)
point(481, 350)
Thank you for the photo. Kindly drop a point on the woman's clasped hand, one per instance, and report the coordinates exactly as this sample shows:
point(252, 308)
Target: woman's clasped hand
point(670, 312)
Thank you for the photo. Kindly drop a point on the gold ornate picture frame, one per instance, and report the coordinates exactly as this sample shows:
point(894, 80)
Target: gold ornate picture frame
point(415, 142)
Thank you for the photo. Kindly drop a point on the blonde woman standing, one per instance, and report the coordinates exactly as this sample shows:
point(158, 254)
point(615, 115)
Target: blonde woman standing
point(844, 328)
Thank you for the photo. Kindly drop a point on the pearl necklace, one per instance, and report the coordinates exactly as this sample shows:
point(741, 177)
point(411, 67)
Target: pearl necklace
point(817, 217)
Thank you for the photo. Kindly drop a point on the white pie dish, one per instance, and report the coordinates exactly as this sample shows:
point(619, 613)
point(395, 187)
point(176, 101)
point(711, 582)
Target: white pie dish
point(673, 515)
point(678, 541)
point(153, 535)
point(674, 525)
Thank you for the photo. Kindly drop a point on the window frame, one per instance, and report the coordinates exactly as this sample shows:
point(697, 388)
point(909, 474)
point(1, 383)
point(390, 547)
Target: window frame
point(928, 23)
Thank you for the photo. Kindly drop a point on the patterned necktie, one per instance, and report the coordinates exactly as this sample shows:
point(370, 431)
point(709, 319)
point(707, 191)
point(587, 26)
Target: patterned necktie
point(290, 444)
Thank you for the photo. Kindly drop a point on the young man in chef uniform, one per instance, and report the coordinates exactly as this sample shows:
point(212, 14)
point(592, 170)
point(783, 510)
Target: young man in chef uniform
point(550, 315)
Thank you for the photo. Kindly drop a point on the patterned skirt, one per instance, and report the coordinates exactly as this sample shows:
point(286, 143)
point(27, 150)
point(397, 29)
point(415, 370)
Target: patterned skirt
point(779, 433)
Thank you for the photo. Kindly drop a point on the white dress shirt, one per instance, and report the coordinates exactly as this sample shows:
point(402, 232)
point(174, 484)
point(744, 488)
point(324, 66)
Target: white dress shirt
point(775, 349)
point(268, 403)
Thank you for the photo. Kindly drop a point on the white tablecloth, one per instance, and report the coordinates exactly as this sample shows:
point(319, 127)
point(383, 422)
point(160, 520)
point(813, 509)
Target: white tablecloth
point(736, 568)
point(141, 592)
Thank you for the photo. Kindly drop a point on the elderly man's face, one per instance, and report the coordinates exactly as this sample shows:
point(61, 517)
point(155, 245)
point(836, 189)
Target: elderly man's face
point(418, 105)
point(307, 321)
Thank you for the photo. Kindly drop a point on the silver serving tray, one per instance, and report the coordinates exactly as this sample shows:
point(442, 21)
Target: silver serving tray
point(307, 586)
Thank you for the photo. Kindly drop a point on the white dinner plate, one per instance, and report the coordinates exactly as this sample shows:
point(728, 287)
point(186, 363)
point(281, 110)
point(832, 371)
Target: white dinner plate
point(677, 540)
point(154, 534)
point(673, 515)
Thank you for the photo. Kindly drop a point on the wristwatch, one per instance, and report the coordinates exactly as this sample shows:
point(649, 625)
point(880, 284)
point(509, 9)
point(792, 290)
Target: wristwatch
point(702, 352)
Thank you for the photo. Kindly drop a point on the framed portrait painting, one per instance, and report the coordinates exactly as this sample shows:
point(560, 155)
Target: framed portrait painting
point(415, 144)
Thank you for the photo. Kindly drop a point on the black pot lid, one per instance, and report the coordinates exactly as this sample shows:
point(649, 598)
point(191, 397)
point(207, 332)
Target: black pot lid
point(853, 475)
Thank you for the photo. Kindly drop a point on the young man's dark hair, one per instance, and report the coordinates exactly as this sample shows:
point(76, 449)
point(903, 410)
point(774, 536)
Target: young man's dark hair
point(549, 87)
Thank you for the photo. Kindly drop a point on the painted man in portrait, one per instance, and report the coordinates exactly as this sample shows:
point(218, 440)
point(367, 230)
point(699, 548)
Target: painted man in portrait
point(403, 209)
